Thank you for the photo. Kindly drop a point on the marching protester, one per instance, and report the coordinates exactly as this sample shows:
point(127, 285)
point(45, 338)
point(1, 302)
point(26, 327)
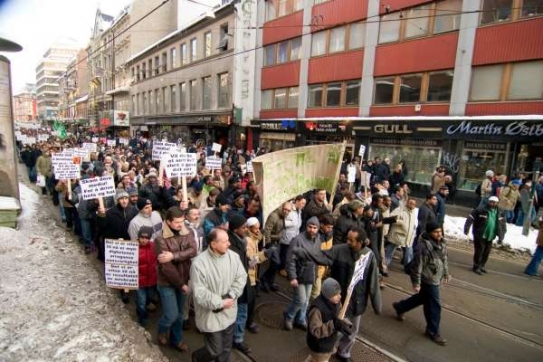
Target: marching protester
point(146, 217)
point(147, 275)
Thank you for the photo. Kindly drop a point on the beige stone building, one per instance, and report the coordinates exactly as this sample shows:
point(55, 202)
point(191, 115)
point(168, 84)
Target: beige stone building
point(73, 90)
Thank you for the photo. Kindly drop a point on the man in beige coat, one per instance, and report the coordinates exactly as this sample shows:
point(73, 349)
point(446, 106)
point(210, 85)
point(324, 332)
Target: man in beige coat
point(402, 232)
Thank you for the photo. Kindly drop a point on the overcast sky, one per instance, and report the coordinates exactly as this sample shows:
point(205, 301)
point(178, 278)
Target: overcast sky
point(38, 24)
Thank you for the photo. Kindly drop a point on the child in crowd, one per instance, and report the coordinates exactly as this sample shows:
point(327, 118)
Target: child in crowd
point(323, 323)
point(145, 295)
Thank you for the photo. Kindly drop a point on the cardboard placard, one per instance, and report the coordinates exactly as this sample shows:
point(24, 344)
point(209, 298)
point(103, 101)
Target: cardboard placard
point(30, 140)
point(361, 151)
point(213, 163)
point(121, 263)
point(249, 167)
point(43, 137)
point(66, 171)
point(93, 188)
point(178, 164)
point(111, 143)
point(94, 139)
point(124, 141)
point(91, 147)
point(216, 147)
point(162, 148)
point(351, 173)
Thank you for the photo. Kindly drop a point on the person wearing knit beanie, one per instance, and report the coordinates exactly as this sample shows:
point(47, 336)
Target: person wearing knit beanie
point(330, 288)
point(236, 221)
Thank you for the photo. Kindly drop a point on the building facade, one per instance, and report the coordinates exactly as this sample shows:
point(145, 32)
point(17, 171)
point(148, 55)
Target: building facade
point(74, 90)
point(183, 82)
point(24, 105)
point(53, 66)
point(429, 82)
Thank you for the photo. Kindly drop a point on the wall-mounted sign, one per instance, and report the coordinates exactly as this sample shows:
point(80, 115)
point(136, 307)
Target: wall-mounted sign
point(328, 127)
point(392, 128)
point(278, 126)
point(513, 129)
point(406, 142)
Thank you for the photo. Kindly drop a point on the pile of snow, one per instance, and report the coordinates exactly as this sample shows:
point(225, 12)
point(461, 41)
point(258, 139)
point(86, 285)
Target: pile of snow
point(54, 305)
point(454, 229)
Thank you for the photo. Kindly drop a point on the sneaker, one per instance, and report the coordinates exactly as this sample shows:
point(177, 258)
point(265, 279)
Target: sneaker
point(182, 347)
point(342, 359)
point(242, 347)
point(399, 316)
point(288, 322)
point(437, 339)
point(253, 328)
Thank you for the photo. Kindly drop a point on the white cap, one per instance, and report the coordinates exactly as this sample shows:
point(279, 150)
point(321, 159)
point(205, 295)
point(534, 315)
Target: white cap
point(493, 199)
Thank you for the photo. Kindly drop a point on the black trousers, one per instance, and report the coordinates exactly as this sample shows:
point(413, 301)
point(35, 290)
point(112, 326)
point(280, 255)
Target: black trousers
point(428, 297)
point(218, 346)
point(482, 251)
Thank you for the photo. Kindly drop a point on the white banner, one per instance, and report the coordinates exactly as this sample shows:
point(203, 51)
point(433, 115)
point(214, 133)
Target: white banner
point(351, 173)
point(213, 163)
point(121, 264)
point(93, 188)
point(359, 268)
point(162, 148)
point(178, 164)
point(94, 139)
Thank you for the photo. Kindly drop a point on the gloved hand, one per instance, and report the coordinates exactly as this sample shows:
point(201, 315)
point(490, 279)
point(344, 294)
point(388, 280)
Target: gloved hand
point(270, 251)
point(344, 326)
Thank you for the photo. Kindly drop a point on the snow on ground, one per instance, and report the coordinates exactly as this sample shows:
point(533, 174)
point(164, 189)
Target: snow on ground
point(54, 305)
point(454, 229)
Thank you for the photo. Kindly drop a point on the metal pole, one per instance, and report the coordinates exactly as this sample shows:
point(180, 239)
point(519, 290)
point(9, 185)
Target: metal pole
point(528, 215)
point(113, 81)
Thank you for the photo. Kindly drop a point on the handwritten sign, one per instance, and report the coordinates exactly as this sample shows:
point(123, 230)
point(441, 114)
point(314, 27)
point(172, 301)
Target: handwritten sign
point(179, 164)
point(123, 141)
point(111, 143)
point(249, 167)
point(216, 147)
point(65, 171)
point(121, 264)
point(351, 173)
point(93, 188)
point(94, 139)
point(359, 268)
point(43, 137)
point(91, 147)
point(162, 148)
point(30, 140)
point(213, 163)
point(361, 151)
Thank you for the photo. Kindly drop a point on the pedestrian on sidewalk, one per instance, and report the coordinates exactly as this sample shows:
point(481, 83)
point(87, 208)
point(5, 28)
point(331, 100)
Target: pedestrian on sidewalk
point(428, 270)
point(217, 279)
point(531, 269)
point(324, 323)
point(488, 222)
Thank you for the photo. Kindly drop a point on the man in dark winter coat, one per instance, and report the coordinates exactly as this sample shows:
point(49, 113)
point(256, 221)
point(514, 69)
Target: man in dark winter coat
point(427, 214)
point(428, 269)
point(351, 216)
point(488, 222)
point(343, 259)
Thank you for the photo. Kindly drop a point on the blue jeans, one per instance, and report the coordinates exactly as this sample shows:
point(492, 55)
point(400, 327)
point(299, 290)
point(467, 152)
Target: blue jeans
point(298, 307)
point(241, 320)
point(171, 320)
point(86, 232)
point(428, 296)
point(143, 297)
point(521, 215)
point(531, 269)
point(407, 257)
point(390, 248)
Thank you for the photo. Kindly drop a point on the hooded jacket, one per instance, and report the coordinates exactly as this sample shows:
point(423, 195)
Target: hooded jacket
point(147, 265)
point(302, 270)
point(346, 221)
point(430, 263)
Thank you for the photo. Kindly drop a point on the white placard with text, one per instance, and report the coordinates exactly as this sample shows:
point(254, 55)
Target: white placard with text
point(121, 264)
point(93, 188)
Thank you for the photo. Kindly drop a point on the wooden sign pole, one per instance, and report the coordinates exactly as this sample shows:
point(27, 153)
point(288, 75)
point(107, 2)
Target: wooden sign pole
point(69, 189)
point(343, 310)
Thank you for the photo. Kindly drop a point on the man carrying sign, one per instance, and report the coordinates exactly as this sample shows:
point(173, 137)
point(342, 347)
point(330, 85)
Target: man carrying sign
point(343, 259)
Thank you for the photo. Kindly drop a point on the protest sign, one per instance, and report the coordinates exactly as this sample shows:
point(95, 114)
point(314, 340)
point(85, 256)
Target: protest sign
point(121, 263)
point(111, 143)
point(43, 137)
point(359, 268)
point(249, 167)
point(66, 171)
point(351, 173)
point(213, 163)
point(94, 139)
point(123, 141)
point(178, 164)
point(362, 151)
point(91, 147)
point(93, 188)
point(216, 147)
point(30, 140)
point(162, 148)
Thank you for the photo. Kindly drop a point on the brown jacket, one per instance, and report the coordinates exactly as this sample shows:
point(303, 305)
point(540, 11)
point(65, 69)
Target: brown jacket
point(175, 273)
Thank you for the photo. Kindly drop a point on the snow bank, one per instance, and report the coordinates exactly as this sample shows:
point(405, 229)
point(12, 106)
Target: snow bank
point(54, 305)
point(454, 229)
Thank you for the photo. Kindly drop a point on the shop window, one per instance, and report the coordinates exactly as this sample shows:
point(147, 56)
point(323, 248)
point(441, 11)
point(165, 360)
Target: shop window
point(318, 43)
point(448, 15)
point(496, 11)
point(337, 40)
point(352, 94)
point(206, 93)
point(417, 22)
point(486, 83)
point(293, 97)
point(532, 8)
point(357, 35)
point(526, 81)
point(420, 161)
point(410, 87)
point(384, 90)
point(440, 86)
point(315, 96)
point(476, 161)
point(266, 99)
point(280, 98)
point(333, 94)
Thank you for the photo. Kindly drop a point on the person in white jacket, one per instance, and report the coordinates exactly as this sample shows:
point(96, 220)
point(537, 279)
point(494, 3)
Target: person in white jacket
point(402, 232)
point(293, 222)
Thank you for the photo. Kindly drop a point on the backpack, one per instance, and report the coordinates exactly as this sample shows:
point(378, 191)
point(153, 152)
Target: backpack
point(478, 189)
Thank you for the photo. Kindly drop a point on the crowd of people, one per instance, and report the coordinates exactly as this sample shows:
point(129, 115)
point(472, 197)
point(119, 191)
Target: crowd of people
point(212, 250)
